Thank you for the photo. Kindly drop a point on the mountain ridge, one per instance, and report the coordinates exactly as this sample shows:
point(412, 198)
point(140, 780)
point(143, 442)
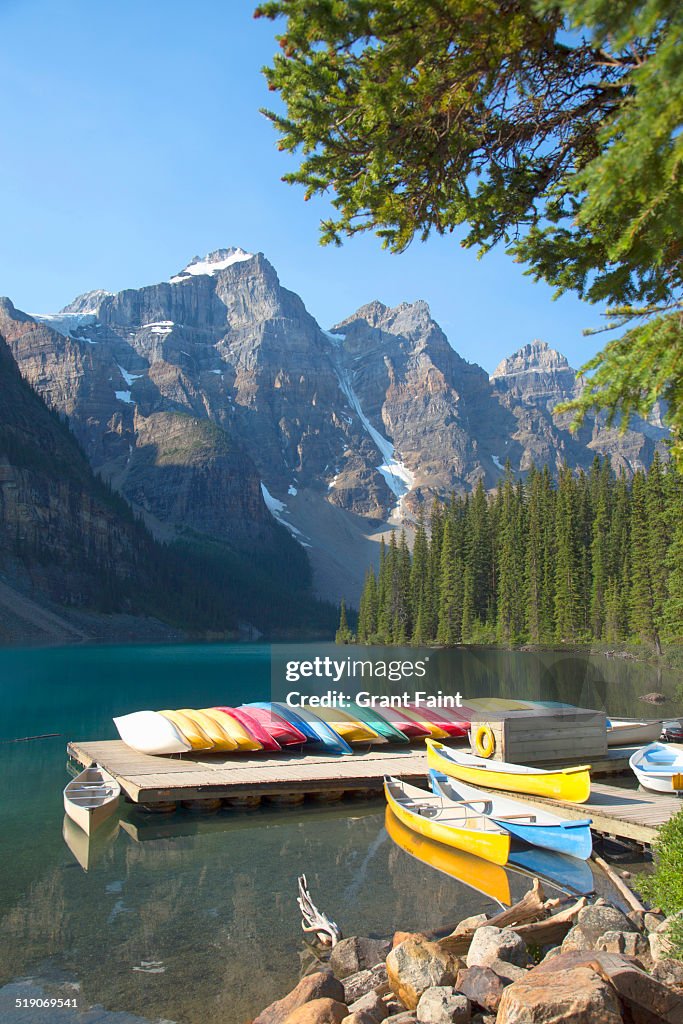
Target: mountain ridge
point(375, 416)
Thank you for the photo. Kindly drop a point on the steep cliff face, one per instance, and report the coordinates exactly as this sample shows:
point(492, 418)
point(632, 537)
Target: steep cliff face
point(73, 539)
point(218, 407)
point(530, 384)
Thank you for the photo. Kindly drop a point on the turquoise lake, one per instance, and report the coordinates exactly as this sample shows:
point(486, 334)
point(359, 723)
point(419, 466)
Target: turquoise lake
point(185, 918)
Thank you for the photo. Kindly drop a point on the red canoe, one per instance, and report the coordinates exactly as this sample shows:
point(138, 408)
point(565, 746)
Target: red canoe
point(253, 726)
point(454, 726)
point(285, 734)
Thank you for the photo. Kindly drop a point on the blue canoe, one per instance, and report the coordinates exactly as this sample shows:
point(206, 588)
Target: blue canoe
point(316, 731)
point(533, 825)
point(567, 873)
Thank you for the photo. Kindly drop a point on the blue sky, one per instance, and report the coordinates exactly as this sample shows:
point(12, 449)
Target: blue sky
point(133, 141)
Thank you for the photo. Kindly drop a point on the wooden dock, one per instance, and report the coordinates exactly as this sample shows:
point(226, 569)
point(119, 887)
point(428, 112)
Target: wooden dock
point(152, 780)
point(148, 780)
point(619, 812)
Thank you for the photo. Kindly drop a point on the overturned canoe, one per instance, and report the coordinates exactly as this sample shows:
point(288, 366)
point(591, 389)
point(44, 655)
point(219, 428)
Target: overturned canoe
point(455, 825)
point(408, 726)
point(381, 726)
point(349, 727)
point(453, 726)
point(220, 738)
point(238, 729)
point(151, 733)
point(317, 732)
point(191, 730)
point(534, 826)
point(571, 784)
point(284, 733)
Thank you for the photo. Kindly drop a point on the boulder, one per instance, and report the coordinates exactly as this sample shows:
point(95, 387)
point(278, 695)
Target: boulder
point(669, 972)
point(359, 1017)
point(647, 1000)
point(652, 921)
point(357, 954)
point(470, 924)
point(319, 1011)
point(405, 1017)
point(482, 986)
point(629, 943)
point(591, 923)
point(371, 1003)
point(443, 1005)
point(322, 985)
point(575, 995)
point(660, 946)
point(551, 954)
point(356, 985)
point(490, 943)
point(400, 937)
point(416, 965)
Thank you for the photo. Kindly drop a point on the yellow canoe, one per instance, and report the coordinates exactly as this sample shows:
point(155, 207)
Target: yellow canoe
point(219, 736)
point(489, 879)
point(455, 825)
point(234, 728)
point(434, 730)
point(193, 733)
point(348, 726)
point(570, 784)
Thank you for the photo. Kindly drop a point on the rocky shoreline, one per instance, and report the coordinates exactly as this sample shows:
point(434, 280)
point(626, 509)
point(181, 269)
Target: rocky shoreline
point(541, 961)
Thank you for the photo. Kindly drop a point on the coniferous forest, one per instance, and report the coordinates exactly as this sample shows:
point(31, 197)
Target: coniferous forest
point(585, 557)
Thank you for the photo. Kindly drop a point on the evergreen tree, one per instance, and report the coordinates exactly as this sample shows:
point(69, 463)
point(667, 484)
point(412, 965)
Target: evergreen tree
point(643, 596)
point(344, 634)
point(450, 593)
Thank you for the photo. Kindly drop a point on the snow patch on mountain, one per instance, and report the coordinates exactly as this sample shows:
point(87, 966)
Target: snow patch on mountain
point(398, 477)
point(64, 323)
point(278, 509)
point(129, 377)
point(212, 263)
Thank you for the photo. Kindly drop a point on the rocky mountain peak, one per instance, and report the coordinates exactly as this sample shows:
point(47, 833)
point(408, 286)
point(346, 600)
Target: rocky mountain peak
point(536, 356)
point(87, 303)
point(212, 263)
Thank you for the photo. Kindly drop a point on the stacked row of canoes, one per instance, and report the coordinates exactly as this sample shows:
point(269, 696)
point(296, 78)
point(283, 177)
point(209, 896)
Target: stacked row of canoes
point(273, 726)
point(458, 814)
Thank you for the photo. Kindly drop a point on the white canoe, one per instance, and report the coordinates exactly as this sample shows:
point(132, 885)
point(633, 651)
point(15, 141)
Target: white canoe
point(91, 798)
point(627, 731)
point(659, 766)
point(151, 733)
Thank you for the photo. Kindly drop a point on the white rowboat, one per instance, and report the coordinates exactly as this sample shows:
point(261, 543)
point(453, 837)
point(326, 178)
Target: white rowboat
point(659, 766)
point(91, 798)
point(628, 731)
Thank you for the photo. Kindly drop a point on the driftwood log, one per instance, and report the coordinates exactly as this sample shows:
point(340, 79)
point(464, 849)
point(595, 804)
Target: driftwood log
point(313, 920)
point(529, 917)
point(632, 900)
